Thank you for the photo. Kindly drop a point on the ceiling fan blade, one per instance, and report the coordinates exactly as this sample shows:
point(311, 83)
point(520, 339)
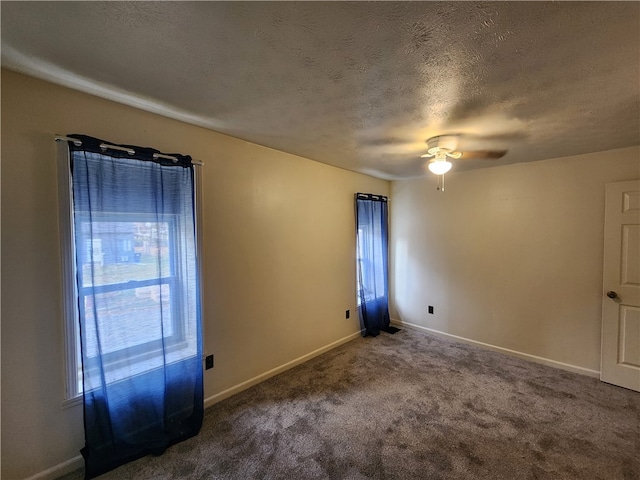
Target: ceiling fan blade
point(484, 155)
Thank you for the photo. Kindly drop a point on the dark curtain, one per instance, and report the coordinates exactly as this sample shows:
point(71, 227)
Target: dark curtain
point(138, 302)
point(372, 258)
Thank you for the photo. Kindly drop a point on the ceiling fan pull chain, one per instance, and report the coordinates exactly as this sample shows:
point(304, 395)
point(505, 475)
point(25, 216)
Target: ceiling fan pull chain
point(441, 183)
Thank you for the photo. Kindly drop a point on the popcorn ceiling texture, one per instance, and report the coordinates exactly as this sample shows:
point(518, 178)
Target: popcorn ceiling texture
point(357, 85)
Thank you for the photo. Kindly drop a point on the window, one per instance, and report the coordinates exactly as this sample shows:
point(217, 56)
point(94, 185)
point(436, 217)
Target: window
point(371, 255)
point(363, 287)
point(136, 282)
point(372, 263)
point(130, 275)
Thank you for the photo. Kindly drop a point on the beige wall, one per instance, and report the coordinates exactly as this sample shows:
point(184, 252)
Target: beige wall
point(278, 267)
point(510, 256)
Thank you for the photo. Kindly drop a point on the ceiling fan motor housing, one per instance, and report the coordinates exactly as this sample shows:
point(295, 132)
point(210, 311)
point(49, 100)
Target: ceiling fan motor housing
point(446, 143)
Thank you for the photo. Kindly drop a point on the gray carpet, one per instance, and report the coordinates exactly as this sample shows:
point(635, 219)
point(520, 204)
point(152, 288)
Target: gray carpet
point(411, 406)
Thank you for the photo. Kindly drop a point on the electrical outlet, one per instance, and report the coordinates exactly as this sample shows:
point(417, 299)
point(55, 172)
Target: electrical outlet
point(347, 314)
point(430, 309)
point(208, 362)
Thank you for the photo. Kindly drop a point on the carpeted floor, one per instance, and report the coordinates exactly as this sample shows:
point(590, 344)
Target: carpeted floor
point(411, 406)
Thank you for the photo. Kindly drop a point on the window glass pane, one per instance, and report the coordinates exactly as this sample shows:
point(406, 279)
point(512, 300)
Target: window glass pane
point(128, 318)
point(371, 254)
point(122, 251)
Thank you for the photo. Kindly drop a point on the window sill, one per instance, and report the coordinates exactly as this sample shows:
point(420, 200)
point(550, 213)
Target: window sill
point(77, 400)
point(71, 402)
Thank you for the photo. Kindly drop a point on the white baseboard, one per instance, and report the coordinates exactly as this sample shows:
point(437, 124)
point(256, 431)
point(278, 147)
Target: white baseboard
point(58, 470)
point(77, 462)
point(526, 356)
point(218, 397)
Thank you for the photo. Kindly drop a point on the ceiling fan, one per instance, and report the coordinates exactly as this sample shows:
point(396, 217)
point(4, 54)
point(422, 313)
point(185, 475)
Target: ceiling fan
point(445, 147)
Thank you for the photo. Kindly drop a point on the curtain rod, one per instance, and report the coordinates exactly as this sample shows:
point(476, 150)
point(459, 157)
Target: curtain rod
point(371, 196)
point(130, 151)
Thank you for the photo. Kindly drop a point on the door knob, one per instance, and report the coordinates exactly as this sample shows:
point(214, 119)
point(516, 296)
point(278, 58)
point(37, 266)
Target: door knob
point(612, 294)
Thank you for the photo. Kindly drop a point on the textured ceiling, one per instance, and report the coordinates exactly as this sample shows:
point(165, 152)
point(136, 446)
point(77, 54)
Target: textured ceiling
point(355, 85)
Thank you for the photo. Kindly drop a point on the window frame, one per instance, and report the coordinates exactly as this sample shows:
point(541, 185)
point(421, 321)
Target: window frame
point(359, 237)
point(173, 280)
point(364, 231)
point(72, 356)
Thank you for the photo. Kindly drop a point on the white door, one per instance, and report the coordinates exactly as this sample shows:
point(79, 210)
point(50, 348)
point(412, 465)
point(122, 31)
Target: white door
point(620, 360)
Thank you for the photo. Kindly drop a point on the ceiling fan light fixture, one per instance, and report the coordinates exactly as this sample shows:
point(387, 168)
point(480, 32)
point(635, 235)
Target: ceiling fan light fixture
point(439, 167)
